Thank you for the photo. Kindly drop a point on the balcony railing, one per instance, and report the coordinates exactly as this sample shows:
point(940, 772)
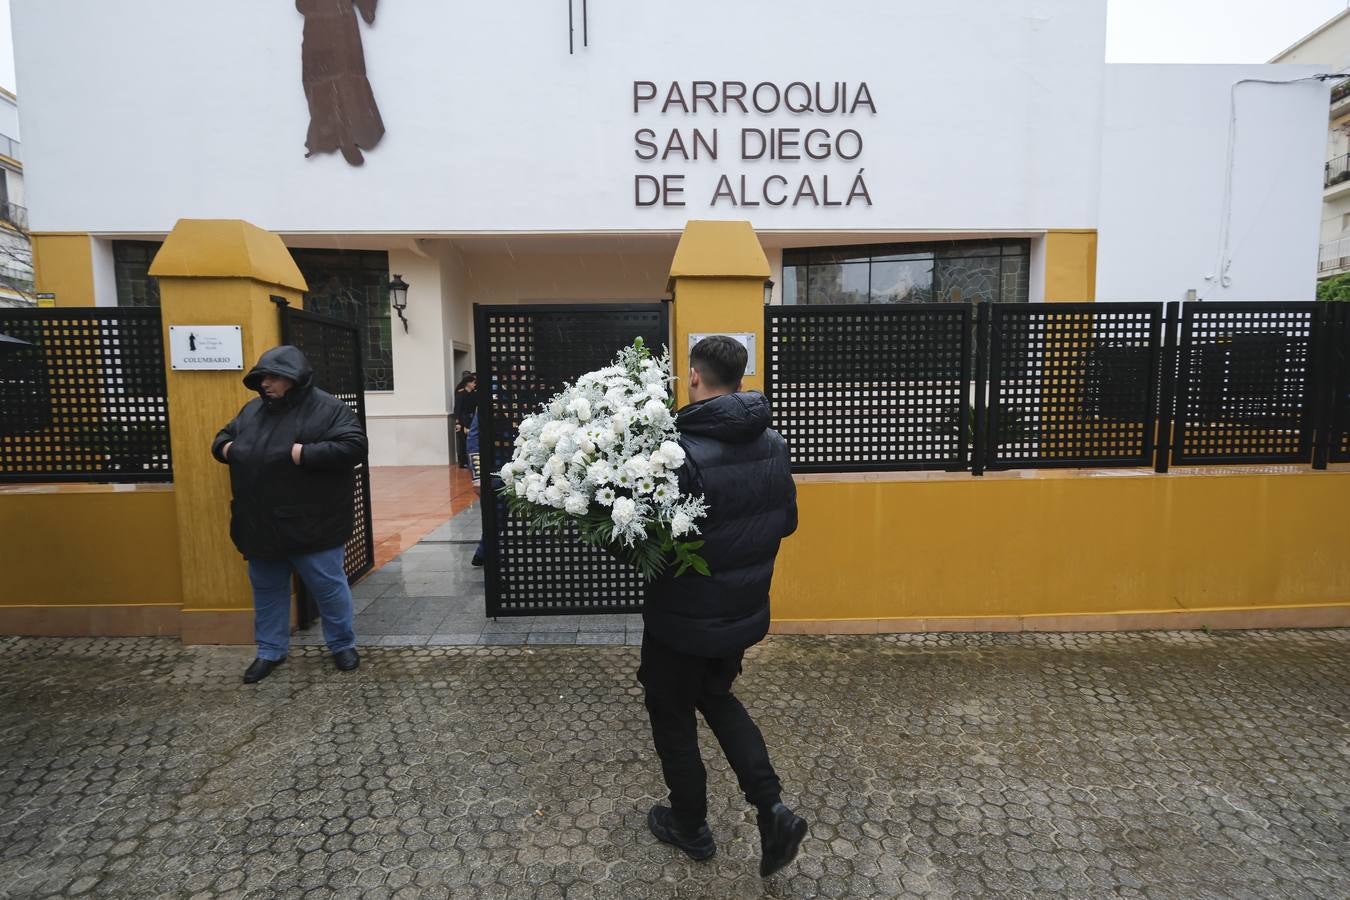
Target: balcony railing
point(15, 215)
point(1337, 170)
point(1334, 256)
point(9, 147)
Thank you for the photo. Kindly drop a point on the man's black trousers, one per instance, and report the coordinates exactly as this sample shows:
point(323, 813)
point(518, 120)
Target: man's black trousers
point(676, 684)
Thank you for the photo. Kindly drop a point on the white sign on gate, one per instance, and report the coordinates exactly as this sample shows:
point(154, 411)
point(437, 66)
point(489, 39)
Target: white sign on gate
point(206, 348)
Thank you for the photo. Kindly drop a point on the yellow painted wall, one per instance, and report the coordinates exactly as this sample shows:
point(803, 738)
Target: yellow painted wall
point(89, 548)
point(63, 264)
point(1070, 266)
point(1063, 544)
point(717, 305)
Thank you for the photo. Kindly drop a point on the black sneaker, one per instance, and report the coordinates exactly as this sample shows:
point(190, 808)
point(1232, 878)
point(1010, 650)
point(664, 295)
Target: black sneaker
point(698, 845)
point(260, 669)
point(477, 561)
point(780, 837)
point(346, 660)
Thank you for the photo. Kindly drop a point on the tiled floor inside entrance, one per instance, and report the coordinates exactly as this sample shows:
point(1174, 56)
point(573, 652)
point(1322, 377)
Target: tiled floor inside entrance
point(425, 591)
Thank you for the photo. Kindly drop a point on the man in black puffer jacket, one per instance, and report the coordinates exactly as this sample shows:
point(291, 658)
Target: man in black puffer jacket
point(699, 627)
point(291, 453)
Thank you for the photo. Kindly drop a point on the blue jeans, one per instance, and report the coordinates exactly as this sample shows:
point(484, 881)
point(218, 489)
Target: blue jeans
point(322, 574)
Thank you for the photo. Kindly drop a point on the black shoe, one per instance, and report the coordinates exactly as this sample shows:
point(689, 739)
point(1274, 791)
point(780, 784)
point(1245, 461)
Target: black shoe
point(346, 660)
point(699, 845)
point(260, 669)
point(780, 836)
point(477, 560)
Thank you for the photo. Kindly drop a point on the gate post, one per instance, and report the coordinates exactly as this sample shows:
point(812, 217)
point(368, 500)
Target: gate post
point(215, 272)
point(717, 278)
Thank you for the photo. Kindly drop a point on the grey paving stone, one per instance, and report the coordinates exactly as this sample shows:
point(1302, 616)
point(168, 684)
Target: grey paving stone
point(463, 638)
point(600, 637)
point(402, 640)
point(495, 638)
point(552, 637)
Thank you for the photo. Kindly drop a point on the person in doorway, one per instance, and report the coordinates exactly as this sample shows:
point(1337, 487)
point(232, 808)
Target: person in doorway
point(697, 628)
point(466, 405)
point(476, 477)
point(291, 453)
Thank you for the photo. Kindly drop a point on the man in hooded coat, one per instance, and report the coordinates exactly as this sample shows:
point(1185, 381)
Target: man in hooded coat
point(291, 454)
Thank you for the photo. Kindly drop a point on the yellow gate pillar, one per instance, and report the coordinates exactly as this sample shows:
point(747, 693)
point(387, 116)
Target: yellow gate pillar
point(717, 279)
point(216, 272)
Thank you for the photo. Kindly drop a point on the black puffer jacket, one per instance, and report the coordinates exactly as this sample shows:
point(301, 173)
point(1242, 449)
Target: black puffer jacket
point(279, 508)
point(740, 465)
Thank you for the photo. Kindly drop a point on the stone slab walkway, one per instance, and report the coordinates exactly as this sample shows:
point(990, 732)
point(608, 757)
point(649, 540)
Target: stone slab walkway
point(1164, 765)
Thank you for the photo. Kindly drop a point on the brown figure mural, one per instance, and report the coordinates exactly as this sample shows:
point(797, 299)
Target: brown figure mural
point(342, 111)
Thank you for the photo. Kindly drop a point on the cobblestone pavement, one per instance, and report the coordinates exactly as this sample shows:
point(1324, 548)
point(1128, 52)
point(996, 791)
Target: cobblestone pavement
point(1158, 765)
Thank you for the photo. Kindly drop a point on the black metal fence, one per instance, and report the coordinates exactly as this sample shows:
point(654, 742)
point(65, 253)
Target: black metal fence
point(333, 348)
point(85, 399)
point(1059, 384)
point(871, 388)
point(525, 353)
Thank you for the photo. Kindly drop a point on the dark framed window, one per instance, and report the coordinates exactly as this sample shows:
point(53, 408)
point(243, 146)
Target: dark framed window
point(950, 271)
point(131, 267)
point(351, 285)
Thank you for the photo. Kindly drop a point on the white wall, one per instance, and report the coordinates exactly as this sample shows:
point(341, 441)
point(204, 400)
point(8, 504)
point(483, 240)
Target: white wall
point(409, 426)
point(1163, 185)
point(987, 113)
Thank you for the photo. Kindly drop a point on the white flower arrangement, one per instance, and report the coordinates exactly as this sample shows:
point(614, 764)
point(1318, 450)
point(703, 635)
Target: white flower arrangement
point(604, 456)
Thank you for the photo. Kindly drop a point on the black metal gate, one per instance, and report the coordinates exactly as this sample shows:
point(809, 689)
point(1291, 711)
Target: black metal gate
point(525, 354)
point(333, 348)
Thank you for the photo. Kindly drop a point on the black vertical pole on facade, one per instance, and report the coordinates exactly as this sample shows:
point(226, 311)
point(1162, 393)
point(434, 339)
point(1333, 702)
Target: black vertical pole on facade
point(978, 427)
point(585, 25)
point(487, 401)
point(571, 30)
point(965, 437)
point(1166, 408)
point(1323, 385)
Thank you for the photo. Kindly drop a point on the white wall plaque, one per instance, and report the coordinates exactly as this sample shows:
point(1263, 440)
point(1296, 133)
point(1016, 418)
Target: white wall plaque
point(745, 338)
point(206, 347)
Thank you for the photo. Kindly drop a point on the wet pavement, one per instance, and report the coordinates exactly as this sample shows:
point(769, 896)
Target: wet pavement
point(1112, 765)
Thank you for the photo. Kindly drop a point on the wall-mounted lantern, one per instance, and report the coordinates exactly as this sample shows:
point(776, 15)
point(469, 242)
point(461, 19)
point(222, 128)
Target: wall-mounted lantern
point(398, 298)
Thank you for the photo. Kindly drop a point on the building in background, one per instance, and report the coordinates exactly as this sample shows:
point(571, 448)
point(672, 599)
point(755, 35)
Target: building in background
point(16, 251)
point(892, 152)
point(1329, 48)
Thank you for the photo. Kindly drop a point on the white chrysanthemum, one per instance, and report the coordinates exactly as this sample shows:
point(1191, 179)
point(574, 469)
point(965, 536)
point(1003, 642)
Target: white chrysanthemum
point(681, 524)
point(663, 493)
point(581, 408)
point(623, 477)
point(624, 511)
point(654, 411)
point(673, 453)
point(645, 485)
point(605, 496)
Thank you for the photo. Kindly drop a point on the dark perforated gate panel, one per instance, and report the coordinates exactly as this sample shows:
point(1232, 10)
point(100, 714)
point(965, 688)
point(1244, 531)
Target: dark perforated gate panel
point(870, 387)
point(1072, 384)
point(525, 354)
point(87, 401)
point(1245, 383)
point(1338, 371)
point(333, 348)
